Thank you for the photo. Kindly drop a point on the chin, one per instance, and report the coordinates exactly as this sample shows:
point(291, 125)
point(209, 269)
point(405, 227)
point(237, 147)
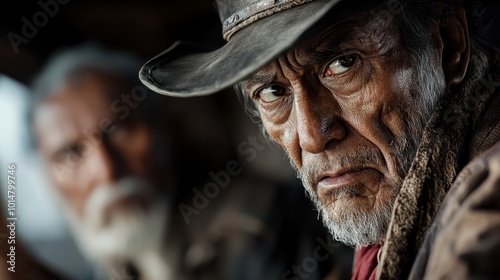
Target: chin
point(354, 219)
point(127, 236)
point(117, 229)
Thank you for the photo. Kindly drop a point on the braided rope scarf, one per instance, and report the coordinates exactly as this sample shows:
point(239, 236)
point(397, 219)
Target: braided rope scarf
point(440, 156)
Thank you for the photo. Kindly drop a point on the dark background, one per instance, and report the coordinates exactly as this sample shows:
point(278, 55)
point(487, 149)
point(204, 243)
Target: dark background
point(141, 27)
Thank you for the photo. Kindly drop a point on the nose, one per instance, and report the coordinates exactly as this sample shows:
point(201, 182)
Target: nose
point(102, 167)
point(318, 121)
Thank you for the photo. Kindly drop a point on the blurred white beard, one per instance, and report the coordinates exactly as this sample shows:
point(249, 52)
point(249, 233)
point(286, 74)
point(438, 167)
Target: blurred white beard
point(124, 223)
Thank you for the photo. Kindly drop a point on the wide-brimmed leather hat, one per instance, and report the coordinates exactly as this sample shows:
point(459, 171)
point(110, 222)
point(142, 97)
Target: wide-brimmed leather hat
point(256, 31)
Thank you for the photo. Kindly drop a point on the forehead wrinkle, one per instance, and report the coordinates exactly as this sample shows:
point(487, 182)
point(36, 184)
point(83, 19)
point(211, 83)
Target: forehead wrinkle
point(335, 39)
point(294, 59)
point(352, 24)
point(290, 60)
point(376, 32)
point(263, 76)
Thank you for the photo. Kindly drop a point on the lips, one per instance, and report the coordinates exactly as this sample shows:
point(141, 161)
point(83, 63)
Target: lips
point(345, 177)
point(126, 203)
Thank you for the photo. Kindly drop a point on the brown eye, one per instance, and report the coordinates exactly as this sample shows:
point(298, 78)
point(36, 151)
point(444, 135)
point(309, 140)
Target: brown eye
point(272, 93)
point(341, 64)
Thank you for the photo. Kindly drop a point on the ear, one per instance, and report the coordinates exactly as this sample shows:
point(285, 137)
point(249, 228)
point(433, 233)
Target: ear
point(455, 54)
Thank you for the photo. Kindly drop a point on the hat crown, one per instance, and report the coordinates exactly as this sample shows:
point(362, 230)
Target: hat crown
point(227, 8)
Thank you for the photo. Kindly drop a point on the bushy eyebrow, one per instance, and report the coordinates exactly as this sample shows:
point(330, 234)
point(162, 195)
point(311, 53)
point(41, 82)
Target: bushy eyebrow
point(259, 78)
point(320, 55)
point(335, 41)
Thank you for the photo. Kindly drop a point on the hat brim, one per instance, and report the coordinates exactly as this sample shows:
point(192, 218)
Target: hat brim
point(184, 71)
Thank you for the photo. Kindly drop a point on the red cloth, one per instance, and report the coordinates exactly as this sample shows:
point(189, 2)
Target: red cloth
point(366, 263)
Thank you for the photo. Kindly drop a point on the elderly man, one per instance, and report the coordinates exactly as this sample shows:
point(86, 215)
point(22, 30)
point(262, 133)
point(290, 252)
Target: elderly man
point(125, 173)
point(93, 132)
point(380, 106)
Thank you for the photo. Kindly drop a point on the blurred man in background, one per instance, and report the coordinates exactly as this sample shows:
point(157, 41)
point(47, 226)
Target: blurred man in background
point(103, 158)
point(124, 172)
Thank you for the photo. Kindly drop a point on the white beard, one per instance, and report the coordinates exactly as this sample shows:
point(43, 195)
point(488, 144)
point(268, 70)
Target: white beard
point(356, 227)
point(127, 234)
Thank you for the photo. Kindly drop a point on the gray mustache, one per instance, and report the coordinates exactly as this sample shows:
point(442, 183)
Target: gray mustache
point(359, 157)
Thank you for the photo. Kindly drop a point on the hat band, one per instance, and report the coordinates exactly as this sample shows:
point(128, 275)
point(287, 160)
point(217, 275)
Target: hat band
point(254, 12)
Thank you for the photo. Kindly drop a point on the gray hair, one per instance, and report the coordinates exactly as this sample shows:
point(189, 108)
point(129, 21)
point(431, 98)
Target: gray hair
point(417, 16)
point(66, 63)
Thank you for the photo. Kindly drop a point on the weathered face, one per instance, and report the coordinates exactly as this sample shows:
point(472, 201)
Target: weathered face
point(348, 109)
point(99, 154)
